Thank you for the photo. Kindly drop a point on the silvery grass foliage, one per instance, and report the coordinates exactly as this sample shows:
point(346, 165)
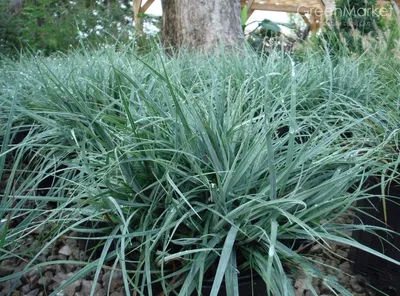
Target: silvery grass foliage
point(203, 167)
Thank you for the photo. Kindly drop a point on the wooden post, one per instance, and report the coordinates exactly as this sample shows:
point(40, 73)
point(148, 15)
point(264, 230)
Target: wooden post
point(321, 19)
point(146, 6)
point(316, 10)
point(137, 4)
point(306, 20)
point(250, 11)
point(313, 22)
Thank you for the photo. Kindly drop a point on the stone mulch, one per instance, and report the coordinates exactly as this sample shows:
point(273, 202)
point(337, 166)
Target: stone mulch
point(44, 281)
point(41, 282)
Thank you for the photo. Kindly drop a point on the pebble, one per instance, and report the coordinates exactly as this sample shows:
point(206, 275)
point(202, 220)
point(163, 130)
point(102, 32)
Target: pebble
point(72, 288)
point(41, 258)
point(333, 263)
point(121, 290)
point(60, 268)
point(70, 267)
point(117, 275)
point(101, 292)
point(7, 262)
point(316, 249)
point(342, 253)
point(341, 220)
point(62, 257)
point(38, 230)
point(6, 270)
point(324, 289)
point(72, 243)
point(52, 286)
point(25, 279)
point(360, 278)
point(50, 267)
point(77, 254)
point(33, 292)
point(65, 250)
point(345, 266)
point(355, 285)
point(62, 277)
point(344, 279)
point(20, 266)
point(46, 279)
point(34, 279)
point(52, 258)
point(4, 288)
point(115, 284)
point(106, 276)
point(87, 287)
point(44, 282)
point(300, 285)
point(25, 289)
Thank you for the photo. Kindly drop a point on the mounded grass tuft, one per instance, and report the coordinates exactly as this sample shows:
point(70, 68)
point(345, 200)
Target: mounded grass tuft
point(201, 167)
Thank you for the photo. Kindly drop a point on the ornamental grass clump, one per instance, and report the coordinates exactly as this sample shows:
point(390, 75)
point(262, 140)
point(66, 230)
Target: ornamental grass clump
point(201, 168)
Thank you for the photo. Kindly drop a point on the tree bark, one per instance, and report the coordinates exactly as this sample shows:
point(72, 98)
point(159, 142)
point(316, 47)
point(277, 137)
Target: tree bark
point(201, 24)
point(15, 6)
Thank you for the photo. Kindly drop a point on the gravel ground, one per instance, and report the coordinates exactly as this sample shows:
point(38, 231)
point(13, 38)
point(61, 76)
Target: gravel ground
point(44, 281)
point(40, 282)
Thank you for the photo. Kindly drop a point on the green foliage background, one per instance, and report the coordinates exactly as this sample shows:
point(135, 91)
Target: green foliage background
point(58, 25)
point(357, 19)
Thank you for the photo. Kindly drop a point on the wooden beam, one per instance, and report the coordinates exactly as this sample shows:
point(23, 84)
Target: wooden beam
point(251, 10)
point(317, 13)
point(313, 22)
point(323, 2)
point(306, 20)
point(283, 8)
point(321, 19)
point(138, 21)
point(146, 6)
point(137, 4)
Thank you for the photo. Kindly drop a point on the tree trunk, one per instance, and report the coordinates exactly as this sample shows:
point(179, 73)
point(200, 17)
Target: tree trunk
point(201, 24)
point(15, 6)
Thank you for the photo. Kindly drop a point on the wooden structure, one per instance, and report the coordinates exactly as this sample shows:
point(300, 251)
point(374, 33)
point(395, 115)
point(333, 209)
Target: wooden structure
point(312, 11)
point(140, 7)
point(315, 9)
